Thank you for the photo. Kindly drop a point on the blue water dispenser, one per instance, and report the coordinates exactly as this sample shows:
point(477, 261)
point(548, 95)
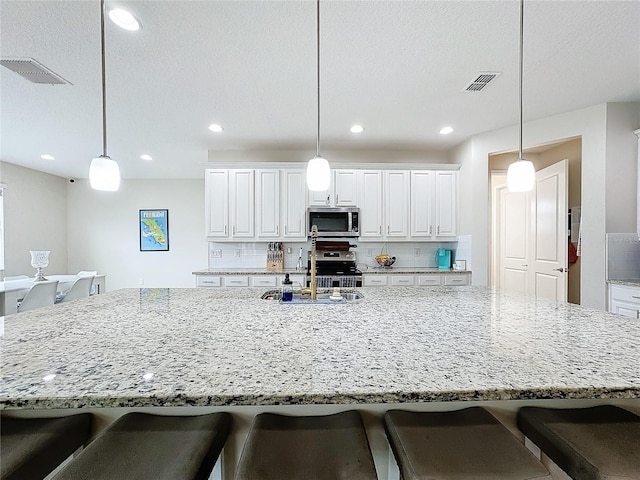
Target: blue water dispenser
point(443, 259)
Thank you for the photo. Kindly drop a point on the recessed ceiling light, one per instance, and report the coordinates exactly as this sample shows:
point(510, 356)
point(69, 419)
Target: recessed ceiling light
point(47, 157)
point(446, 130)
point(357, 129)
point(124, 19)
point(214, 127)
point(146, 157)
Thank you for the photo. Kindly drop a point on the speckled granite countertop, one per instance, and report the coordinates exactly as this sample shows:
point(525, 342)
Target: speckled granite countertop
point(183, 347)
point(292, 271)
point(630, 283)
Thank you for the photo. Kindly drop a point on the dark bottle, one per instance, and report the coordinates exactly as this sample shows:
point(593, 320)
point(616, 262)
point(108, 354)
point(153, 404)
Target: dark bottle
point(287, 289)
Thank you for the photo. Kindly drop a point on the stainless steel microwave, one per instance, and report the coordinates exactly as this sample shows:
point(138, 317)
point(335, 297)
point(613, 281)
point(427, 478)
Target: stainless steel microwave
point(334, 221)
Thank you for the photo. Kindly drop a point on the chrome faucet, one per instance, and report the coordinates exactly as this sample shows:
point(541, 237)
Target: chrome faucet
point(313, 284)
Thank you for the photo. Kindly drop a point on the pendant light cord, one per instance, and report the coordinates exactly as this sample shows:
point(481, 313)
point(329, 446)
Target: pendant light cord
point(520, 77)
point(318, 75)
point(104, 84)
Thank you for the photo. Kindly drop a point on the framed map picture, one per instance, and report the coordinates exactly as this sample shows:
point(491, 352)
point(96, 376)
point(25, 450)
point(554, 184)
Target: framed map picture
point(154, 230)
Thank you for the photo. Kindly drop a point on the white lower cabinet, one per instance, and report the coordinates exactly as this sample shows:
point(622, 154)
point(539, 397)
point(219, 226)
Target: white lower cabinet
point(624, 300)
point(264, 281)
point(374, 280)
point(236, 281)
point(429, 280)
point(457, 279)
point(208, 281)
point(402, 280)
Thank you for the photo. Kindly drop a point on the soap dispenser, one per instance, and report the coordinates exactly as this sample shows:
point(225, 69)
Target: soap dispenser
point(287, 289)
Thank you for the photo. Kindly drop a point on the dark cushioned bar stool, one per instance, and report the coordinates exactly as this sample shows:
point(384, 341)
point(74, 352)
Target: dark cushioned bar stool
point(330, 447)
point(587, 443)
point(31, 448)
point(468, 444)
point(144, 446)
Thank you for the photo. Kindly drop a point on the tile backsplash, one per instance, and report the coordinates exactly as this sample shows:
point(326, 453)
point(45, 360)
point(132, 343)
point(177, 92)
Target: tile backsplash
point(408, 254)
point(623, 256)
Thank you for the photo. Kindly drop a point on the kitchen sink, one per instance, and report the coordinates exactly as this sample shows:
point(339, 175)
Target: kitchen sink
point(349, 296)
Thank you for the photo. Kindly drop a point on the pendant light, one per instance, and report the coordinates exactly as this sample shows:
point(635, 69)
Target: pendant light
point(521, 175)
point(318, 171)
point(104, 173)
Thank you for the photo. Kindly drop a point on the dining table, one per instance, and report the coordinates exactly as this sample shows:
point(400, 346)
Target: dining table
point(13, 290)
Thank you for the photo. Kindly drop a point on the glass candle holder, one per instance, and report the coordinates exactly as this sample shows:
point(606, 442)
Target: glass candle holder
point(39, 260)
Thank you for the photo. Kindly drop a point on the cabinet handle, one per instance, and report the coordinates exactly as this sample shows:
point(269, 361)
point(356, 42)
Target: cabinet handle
point(388, 229)
point(234, 230)
point(430, 229)
point(438, 230)
point(277, 229)
point(285, 229)
point(634, 296)
point(336, 199)
point(380, 230)
point(225, 229)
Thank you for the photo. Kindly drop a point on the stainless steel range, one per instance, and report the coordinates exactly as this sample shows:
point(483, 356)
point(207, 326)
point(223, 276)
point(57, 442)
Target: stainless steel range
point(335, 268)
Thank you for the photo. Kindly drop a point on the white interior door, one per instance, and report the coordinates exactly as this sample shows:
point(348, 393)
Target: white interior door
point(548, 275)
point(515, 219)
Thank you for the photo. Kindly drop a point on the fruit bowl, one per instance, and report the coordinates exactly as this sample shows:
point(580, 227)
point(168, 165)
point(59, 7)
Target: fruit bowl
point(385, 260)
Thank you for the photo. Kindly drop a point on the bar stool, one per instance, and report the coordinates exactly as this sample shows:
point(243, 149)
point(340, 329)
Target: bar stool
point(145, 446)
point(587, 443)
point(33, 447)
point(328, 447)
point(467, 444)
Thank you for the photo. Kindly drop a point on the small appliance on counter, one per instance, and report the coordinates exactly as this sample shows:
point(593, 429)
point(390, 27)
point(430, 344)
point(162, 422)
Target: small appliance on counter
point(443, 259)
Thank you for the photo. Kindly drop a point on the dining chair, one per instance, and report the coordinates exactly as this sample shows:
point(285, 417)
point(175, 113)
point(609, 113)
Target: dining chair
point(81, 288)
point(42, 294)
point(89, 273)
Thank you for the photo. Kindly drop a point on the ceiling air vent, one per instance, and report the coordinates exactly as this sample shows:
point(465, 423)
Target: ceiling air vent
point(33, 71)
point(482, 80)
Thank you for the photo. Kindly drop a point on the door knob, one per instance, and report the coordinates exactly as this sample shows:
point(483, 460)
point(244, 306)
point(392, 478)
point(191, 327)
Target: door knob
point(561, 269)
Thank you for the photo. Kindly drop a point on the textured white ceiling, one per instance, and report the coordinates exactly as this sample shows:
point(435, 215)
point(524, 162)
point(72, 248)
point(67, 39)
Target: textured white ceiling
point(396, 67)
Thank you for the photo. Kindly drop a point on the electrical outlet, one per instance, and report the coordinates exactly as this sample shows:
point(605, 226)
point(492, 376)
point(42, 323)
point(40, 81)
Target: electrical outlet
point(237, 252)
point(417, 252)
point(141, 281)
point(289, 250)
point(369, 253)
point(216, 253)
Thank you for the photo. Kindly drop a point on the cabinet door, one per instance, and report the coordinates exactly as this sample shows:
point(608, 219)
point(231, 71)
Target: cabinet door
point(371, 206)
point(216, 203)
point(396, 204)
point(345, 188)
point(319, 199)
point(446, 204)
point(625, 309)
point(421, 205)
point(268, 203)
point(295, 210)
point(241, 199)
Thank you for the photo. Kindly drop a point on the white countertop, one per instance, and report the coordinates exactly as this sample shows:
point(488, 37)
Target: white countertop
point(292, 271)
point(177, 347)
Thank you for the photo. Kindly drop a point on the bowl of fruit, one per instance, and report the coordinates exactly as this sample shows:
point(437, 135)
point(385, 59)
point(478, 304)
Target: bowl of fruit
point(384, 260)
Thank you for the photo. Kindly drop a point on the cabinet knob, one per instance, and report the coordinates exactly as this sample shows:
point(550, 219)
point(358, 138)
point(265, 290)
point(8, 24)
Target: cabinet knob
point(328, 200)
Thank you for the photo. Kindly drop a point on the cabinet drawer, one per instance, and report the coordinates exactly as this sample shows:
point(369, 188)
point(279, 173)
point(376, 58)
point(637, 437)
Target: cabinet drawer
point(456, 280)
point(236, 281)
point(625, 293)
point(208, 281)
point(264, 281)
point(402, 280)
point(426, 280)
point(374, 280)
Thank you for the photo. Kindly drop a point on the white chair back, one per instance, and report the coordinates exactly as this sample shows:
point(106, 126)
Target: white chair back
point(80, 289)
point(87, 273)
point(42, 294)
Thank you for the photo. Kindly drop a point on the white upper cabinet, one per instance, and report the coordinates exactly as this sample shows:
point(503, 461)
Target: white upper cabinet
point(371, 204)
point(422, 199)
point(396, 211)
point(294, 205)
point(267, 204)
point(434, 204)
point(241, 203)
point(343, 191)
point(446, 204)
point(217, 203)
point(229, 207)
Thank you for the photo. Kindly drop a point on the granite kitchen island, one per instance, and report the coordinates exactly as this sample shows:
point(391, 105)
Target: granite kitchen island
point(408, 347)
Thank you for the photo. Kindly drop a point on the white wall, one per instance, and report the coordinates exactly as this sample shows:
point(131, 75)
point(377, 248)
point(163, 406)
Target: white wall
point(104, 232)
point(35, 212)
point(622, 166)
point(591, 125)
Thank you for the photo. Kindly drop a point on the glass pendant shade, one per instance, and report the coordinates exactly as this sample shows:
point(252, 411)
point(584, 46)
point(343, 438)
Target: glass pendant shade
point(104, 174)
point(318, 174)
point(521, 176)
